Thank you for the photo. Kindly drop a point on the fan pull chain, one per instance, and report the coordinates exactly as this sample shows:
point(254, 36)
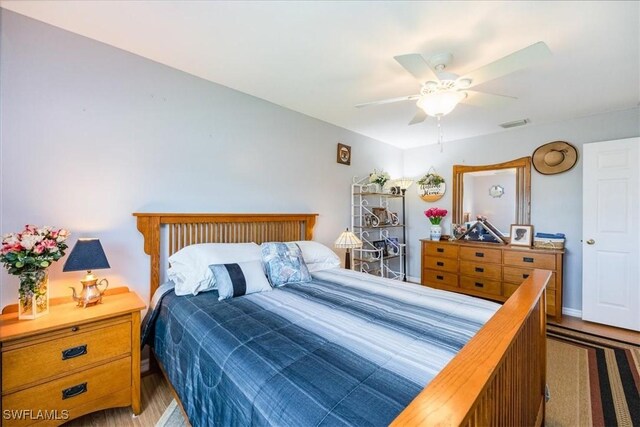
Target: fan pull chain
point(440, 133)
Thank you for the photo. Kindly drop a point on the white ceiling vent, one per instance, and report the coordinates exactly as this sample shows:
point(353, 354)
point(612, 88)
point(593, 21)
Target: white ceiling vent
point(515, 123)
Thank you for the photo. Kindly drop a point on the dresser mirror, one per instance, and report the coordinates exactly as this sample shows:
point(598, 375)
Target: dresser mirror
point(476, 189)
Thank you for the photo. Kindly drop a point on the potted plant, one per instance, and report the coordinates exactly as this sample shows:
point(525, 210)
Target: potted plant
point(435, 216)
point(28, 255)
point(379, 178)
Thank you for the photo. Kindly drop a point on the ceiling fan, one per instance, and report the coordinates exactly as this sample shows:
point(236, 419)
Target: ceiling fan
point(442, 90)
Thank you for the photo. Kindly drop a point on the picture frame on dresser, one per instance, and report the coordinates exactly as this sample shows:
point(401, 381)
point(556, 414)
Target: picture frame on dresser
point(521, 235)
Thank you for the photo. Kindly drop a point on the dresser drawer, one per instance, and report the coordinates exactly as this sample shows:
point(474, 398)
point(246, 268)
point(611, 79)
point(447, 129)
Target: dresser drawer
point(30, 363)
point(518, 275)
point(432, 277)
point(530, 260)
point(480, 269)
point(509, 289)
point(481, 254)
point(71, 391)
point(478, 284)
point(444, 264)
point(440, 250)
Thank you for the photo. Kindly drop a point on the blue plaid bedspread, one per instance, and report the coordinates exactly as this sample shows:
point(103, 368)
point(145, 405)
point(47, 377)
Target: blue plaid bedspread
point(345, 349)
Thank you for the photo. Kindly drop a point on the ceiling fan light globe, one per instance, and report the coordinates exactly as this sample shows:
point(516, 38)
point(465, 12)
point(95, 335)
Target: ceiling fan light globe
point(440, 103)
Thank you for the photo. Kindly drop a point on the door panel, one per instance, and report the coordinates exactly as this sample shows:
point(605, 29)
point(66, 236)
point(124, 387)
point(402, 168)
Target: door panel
point(611, 236)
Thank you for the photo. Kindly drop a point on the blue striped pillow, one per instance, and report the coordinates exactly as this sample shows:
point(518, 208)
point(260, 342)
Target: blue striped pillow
point(243, 278)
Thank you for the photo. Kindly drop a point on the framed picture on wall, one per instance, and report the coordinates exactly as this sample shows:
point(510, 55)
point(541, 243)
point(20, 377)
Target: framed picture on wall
point(521, 235)
point(344, 154)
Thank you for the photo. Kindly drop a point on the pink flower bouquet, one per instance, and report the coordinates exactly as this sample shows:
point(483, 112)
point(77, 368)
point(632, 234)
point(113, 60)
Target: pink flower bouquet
point(435, 215)
point(35, 248)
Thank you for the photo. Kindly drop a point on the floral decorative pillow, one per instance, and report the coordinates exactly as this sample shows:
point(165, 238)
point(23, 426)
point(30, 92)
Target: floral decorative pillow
point(284, 263)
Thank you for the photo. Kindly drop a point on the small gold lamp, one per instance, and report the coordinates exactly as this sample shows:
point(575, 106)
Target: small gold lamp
point(87, 254)
point(347, 240)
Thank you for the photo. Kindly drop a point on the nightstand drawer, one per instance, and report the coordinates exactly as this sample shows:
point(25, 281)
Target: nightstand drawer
point(481, 254)
point(530, 260)
point(480, 269)
point(432, 277)
point(71, 391)
point(445, 264)
point(492, 287)
point(440, 250)
point(44, 359)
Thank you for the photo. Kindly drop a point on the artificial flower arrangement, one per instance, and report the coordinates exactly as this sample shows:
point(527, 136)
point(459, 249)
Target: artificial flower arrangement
point(379, 178)
point(431, 179)
point(28, 254)
point(435, 215)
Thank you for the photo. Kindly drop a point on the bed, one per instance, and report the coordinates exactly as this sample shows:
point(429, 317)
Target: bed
point(487, 370)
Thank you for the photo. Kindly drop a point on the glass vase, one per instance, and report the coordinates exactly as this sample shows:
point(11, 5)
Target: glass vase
point(33, 294)
point(436, 232)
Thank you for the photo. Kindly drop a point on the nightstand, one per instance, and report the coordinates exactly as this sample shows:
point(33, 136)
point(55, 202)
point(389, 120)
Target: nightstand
point(72, 361)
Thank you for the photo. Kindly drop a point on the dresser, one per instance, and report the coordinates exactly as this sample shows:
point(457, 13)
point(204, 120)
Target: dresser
point(71, 361)
point(489, 270)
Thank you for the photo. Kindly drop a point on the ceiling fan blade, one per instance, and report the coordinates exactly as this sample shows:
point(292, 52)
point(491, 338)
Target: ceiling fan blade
point(389, 101)
point(481, 99)
point(416, 65)
point(518, 60)
point(418, 118)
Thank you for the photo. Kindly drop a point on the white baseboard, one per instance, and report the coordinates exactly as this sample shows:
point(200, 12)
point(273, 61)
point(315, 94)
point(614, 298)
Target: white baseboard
point(572, 312)
point(413, 279)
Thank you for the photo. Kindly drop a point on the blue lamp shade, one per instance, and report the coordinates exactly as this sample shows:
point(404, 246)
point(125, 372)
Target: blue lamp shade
point(87, 254)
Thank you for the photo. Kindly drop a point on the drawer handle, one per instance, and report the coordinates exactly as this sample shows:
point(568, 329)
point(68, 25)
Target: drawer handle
point(75, 329)
point(480, 269)
point(440, 263)
point(440, 277)
point(440, 250)
point(479, 285)
point(72, 352)
point(480, 254)
point(524, 276)
point(527, 259)
point(70, 392)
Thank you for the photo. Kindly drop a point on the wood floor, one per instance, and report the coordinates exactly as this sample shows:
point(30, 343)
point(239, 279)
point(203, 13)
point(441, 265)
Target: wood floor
point(156, 394)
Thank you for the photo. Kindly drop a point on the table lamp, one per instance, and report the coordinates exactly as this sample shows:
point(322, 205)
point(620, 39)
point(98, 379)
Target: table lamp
point(87, 254)
point(347, 240)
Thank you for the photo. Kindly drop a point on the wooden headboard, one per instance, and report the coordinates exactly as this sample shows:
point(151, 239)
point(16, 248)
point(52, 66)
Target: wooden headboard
point(184, 229)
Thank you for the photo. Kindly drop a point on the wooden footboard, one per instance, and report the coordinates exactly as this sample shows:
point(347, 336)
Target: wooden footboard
point(498, 378)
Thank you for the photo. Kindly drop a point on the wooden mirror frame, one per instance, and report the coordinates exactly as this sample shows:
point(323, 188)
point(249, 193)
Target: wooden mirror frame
point(523, 187)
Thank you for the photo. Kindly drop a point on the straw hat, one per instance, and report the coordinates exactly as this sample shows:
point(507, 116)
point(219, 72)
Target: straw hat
point(555, 157)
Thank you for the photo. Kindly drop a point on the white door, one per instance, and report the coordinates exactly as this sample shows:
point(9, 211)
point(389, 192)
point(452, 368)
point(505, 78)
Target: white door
point(611, 233)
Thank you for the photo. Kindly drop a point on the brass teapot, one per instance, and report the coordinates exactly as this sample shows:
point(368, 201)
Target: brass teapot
point(91, 293)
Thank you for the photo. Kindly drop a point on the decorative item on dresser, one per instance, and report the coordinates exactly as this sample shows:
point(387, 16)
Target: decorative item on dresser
point(87, 255)
point(490, 271)
point(435, 216)
point(73, 361)
point(28, 255)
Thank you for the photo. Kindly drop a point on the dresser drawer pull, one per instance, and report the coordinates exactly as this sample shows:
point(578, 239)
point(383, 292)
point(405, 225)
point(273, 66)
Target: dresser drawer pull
point(72, 352)
point(527, 259)
point(524, 276)
point(480, 254)
point(75, 329)
point(480, 269)
point(439, 249)
point(440, 277)
point(440, 263)
point(70, 392)
point(479, 285)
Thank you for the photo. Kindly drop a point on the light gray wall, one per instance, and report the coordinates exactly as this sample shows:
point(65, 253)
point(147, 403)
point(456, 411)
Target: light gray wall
point(556, 200)
point(90, 134)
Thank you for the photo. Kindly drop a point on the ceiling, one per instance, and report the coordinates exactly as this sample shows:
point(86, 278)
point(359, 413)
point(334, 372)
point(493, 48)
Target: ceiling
point(322, 58)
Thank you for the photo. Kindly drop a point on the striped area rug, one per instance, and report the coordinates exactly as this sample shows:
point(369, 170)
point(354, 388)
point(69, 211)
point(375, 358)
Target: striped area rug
point(593, 381)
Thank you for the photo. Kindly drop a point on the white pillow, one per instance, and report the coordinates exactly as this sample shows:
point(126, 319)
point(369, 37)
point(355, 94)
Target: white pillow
point(317, 256)
point(189, 269)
